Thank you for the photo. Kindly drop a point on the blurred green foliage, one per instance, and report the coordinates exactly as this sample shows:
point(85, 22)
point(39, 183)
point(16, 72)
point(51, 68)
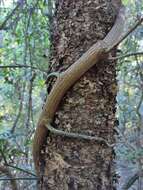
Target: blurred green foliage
point(24, 47)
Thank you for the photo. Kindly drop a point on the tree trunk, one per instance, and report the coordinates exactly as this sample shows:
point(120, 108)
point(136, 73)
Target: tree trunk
point(89, 106)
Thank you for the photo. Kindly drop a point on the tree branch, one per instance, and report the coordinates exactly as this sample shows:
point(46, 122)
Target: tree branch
point(20, 66)
point(127, 55)
point(130, 31)
point(130, 181)
point(19, 111)
point(19, 178)
point(21, 169)
point(127, 143)
point(19, 3)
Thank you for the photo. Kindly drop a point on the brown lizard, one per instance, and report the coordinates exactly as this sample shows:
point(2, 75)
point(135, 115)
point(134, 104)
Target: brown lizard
point(65, 80)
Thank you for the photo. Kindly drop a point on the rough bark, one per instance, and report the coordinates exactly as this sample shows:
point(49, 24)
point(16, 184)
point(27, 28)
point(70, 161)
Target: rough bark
point(89, 106)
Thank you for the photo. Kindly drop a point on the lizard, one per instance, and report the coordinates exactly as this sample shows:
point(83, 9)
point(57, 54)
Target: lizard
point(65, 80)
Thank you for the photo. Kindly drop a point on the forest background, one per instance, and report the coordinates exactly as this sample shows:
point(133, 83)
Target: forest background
point(24, 50)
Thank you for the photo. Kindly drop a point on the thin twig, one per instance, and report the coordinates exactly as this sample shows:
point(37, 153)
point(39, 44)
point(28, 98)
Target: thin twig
point(130, 31)
point(19, 178)
point(20, 66)
point(21, 169)
point(29, 109)
point(15, 167)
point(130, 181)
point(127, 143)
point(126, 55)
point(19, 111)
point(8, 173)
point(2, 26)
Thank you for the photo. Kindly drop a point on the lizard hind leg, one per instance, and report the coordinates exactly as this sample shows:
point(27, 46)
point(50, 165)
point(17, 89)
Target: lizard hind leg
point(78, 136)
